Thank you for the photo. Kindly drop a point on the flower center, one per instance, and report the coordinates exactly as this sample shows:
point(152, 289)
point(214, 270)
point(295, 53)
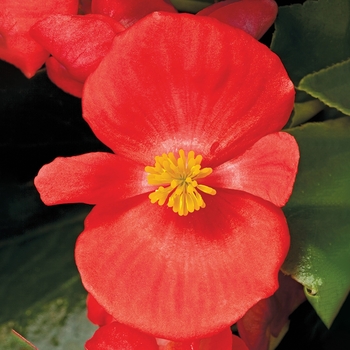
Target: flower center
point(181, 175)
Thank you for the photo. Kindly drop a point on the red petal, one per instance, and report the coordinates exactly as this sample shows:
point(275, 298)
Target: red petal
point(16, 18)
point(90, 178)
point(182, 277)
point(78, 42)
point(129, 12)
point(268, 317)
point(221, 341)
point(238, 343)
point(59, 75)
point(96, 313)
point(267, 170)
point(193, 83)
point(116, 336)
point(255, 17)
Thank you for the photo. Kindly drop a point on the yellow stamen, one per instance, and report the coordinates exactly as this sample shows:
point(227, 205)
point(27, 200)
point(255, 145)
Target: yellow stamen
point(179, 176)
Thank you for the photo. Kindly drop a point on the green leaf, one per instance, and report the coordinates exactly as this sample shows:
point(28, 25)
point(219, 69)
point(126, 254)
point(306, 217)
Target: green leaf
point(304, 111)
point(318, 215)
point(312, 36)
point(41, 292)
point(330, 85)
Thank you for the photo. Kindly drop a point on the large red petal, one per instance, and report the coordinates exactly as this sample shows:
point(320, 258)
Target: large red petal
point(90, 178)
point(182, 277)
point(116, 336)
point(183, 81)
point(16, 18)
point(255, 17)
point(129, 12)
point(267, 170)
point(78, 42)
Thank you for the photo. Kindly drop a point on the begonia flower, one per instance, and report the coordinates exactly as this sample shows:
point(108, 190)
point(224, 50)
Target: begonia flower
point(224, 340)
point(77, 44)
point(116, 336)
point(268, 320)
point(16, 18)
point(255, 17)
point(171, 247)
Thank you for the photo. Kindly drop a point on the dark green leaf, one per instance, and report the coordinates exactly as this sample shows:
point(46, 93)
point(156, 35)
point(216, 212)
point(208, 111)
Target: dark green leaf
point(312, 36)
point(41, 292)
point(304, 111)
point(331, 86)
point(318, 215)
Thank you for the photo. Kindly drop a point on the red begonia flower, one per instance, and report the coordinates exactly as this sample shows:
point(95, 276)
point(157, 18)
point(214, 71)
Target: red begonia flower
point(255, 17)
point(193, 86)
point(268, 317)
point(129, 12)
point(116, 336)
point(77, 45)
point(223, 340)
point(16, 18)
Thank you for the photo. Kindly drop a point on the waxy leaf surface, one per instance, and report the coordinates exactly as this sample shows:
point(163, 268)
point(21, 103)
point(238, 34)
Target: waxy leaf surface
point(318, 216)
point(312, 36)
point(330, 85)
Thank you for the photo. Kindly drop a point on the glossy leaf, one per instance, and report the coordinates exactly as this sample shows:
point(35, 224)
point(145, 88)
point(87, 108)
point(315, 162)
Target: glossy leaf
point(312, 36)
point(304, 111)
point(318, 216)
point(330, 86)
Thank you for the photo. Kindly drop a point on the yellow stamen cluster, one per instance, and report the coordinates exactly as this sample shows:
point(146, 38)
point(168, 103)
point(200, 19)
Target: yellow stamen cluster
point(181, 175)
